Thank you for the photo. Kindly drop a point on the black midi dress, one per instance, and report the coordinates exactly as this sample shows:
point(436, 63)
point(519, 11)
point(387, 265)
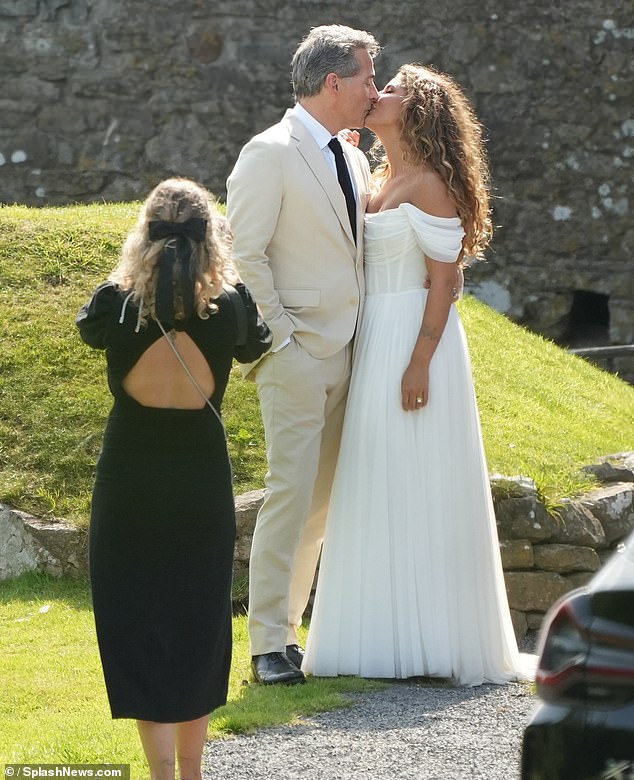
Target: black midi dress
point(162, 526)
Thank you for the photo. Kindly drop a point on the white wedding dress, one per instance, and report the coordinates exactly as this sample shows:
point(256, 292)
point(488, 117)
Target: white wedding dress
point(411, 581)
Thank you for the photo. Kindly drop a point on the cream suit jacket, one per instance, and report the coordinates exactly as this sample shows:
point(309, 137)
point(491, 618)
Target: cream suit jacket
point(292, 237)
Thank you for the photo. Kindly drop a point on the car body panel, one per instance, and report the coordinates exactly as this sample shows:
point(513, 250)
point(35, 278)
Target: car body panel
point(584, 727)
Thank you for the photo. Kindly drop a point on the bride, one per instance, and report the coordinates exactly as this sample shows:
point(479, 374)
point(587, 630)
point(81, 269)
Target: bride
point(411, 581)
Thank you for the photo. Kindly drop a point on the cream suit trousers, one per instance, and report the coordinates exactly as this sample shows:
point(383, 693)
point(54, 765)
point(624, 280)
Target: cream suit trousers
point(303, 401)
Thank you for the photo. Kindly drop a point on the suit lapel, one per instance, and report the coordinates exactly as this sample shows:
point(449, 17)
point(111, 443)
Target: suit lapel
point(318, 166)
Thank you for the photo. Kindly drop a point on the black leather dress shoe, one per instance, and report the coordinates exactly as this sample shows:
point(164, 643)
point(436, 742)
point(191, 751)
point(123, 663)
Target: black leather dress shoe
point(295, 655)
point(272, 668)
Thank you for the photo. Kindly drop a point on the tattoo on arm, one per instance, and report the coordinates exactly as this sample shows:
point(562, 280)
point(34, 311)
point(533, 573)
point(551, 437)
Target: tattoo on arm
point(428, 332)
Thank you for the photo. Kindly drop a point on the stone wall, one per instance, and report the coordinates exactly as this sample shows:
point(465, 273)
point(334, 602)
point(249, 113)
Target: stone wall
point(100, 99)
point(544, 553)
point(29, 543)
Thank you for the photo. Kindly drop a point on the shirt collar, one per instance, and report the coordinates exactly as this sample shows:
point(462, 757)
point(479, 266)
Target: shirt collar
point(317, 130)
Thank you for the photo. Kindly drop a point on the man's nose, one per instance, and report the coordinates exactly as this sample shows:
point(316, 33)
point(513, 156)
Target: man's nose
point(374, 94)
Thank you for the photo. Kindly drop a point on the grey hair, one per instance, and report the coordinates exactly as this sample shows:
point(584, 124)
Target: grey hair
point(328, 49)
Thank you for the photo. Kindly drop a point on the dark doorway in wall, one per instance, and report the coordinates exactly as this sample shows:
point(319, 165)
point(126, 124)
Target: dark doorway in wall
point(589, 320)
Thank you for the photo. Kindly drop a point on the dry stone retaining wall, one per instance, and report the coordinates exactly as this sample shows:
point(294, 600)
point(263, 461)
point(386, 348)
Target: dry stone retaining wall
point(100, 99)
point(28, 543)
point(544, 554)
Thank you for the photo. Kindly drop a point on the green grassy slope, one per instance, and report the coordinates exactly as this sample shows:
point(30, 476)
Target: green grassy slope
point(544, 412)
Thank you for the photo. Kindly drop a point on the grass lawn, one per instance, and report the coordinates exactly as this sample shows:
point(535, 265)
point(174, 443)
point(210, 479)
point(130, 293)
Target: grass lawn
point(53, 705)
point(544, 412)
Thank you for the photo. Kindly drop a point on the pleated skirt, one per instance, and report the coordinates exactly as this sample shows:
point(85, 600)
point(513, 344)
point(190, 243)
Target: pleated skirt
point(411, 581)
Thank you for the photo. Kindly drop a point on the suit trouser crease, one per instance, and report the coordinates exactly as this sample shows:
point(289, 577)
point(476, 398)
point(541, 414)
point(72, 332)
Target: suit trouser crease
point(302, 400)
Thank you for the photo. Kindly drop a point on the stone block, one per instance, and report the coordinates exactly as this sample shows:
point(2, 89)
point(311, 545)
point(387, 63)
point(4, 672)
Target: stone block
point(516, 554)
point(205, 44)
point(27, 544)
point(51, 7)
point(18, 7)
point(32, 90)
point(613, 506)
point(578, 526)
point(512, 487)
point(534, 620)
point(247, 508)
point(565, 558)
point(242, 549)
point(534, 591)
point(520, 625)
point(18, 554)
point(58, 184)
point(524, 518)
point(65, 543)
point(580, 579)
point(613, 468)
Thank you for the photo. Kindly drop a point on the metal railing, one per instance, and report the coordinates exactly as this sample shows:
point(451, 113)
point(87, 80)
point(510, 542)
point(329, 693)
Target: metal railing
point(604, 353)
point(604, 357)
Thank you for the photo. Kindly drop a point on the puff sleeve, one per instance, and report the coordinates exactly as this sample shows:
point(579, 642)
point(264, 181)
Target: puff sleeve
point(94, 317)
point(259, 337)
point(440, 238)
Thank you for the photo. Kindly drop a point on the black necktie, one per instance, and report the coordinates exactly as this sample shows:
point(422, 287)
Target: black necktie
point(345, 183)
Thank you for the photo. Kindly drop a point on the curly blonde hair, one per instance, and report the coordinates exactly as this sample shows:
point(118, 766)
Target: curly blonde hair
point(177, 200)
point(439, 128)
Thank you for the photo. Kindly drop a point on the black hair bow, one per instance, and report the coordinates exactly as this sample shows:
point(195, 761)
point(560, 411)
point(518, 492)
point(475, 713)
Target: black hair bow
point(194, 228)
point(176, 264)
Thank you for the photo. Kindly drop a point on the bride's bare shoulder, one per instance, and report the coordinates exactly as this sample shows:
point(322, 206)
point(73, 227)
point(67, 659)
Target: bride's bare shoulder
point(429, 193)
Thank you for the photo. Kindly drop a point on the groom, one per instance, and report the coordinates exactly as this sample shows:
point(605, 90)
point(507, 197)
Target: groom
point(295, 203)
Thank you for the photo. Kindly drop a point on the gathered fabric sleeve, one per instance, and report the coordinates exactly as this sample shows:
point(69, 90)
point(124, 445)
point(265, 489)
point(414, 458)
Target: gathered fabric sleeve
point(95, 316)
point(440, 238)
point(259, 337)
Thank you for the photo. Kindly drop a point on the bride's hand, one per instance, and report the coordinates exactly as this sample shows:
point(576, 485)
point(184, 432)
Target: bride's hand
point(415, 387)
point(351, 136)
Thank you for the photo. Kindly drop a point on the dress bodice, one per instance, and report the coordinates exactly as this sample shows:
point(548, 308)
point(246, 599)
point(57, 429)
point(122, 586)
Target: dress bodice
point(396, 241)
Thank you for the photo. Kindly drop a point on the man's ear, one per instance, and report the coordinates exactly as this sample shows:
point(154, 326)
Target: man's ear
point(331, 82)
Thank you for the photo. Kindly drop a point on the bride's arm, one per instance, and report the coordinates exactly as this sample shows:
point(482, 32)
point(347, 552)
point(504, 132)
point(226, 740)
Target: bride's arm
point(459, 288)
point(442, 291)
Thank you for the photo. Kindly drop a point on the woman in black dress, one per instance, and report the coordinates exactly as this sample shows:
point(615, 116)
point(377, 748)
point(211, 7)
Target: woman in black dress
point(162, 520)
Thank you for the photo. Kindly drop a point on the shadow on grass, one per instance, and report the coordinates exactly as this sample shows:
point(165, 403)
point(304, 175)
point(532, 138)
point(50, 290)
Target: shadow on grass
point(38, 586)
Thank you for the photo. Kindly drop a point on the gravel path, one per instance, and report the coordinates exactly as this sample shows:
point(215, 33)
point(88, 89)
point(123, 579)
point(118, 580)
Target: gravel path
point(408, 730)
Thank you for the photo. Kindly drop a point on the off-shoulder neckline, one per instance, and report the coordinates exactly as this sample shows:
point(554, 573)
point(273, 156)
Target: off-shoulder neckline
point(415, 208)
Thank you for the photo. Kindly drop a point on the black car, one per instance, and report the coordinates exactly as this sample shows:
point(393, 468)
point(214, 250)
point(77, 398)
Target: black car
point(584, 727)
